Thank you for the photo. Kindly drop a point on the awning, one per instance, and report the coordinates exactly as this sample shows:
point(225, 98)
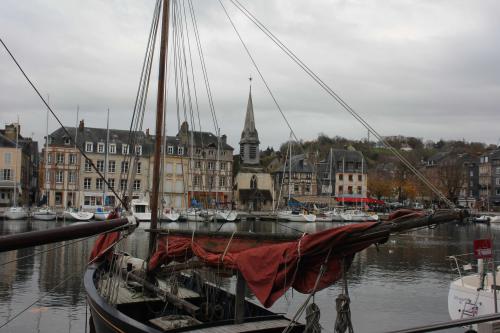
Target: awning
point(360, 200)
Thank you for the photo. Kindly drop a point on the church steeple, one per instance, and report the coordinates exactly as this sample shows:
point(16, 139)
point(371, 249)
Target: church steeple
point(249, 143)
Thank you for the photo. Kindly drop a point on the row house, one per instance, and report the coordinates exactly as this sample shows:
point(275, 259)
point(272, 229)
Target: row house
point(343, 174)
point(210, 167)
point(489, 180)
point(295, 178)
point(18, 167)
point(71, 181)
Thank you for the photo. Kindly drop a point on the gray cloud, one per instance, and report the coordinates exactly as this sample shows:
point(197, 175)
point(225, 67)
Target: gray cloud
point(421, 68)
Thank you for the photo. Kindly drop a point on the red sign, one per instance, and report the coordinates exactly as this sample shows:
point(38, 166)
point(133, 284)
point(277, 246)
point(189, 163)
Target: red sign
point(483, 248)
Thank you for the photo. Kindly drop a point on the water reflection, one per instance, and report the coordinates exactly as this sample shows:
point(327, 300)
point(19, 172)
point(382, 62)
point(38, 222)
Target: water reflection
point(403, 283)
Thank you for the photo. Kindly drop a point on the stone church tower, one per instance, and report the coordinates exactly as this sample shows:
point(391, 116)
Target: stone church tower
point(249, 143)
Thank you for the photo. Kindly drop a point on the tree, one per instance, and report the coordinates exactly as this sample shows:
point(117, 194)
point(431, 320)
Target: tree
point(451, 177)
point(380, 186)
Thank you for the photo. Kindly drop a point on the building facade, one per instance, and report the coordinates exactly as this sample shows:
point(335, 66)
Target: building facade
point(343, 174)
point(489, 180)
point(297, 178)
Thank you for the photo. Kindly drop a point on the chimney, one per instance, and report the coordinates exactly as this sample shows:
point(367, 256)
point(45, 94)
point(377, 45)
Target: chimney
point(223, 138)
point(82, 125)
point(147, 132)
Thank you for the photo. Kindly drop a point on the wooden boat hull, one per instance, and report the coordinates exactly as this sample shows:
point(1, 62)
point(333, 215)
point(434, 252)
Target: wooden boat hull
point(108, 319)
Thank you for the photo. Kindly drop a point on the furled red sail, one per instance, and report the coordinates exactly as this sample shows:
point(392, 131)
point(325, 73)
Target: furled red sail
point(269, 268)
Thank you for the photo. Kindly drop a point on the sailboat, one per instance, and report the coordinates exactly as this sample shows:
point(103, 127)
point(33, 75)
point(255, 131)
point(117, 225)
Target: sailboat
point(16, 212)
point(45, 213)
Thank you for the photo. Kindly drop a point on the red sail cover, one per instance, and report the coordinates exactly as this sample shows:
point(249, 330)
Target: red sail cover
point(104, 241)
point(268, 268)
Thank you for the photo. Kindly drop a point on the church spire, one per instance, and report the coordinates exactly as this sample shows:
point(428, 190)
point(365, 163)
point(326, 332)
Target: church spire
point(249, 143)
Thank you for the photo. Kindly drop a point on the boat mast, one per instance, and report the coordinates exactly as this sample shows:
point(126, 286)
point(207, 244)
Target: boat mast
point(330, 176)
point(77, 193)
point(290, 170)
point(15, 167)
point(105, 161)
point(159, 120)
point(47, 158)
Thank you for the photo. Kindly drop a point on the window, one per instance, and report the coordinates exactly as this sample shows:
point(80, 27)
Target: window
point(111, 166)
point(498, 181)
point(253, 182)
point(179, 186)
point(211, 152)
point(100, 147)
point(196, 180)
point(49, 158)
point(59, 158)
point(210, 165)
point(253, 152)
point(72, 159)
point(111, 182)
point(7, 158)
point(170, 150)
point(6, 174)
point(139, 167)
point(67, 141)
point(138, 150)
point(169, 168)
point(222, 182)
point(341, 176)
point(99, 184)
point(59, 177)
point(88, 167)
point(198, 151)
point(471, 173)
point(112, 148)
point(360, 178)
point(178, 168)
point(223, 165)
point(210, 181)
point(349, 189)
point(86, 183)
point(124, 167)
point(123, 184)
point(89, 200)
point(180, 150)
point(71, 177)
point(89, 147)
point(340, 189)
point(308, 188)
point(486, 159)
point(350, 178)
point(125, 149)
point(497, 170)
point(498, 191)
point(137, 184)
point(197, 164)
point(296, 188)
point(359, 189)
point(58, 198)
point(100, 166)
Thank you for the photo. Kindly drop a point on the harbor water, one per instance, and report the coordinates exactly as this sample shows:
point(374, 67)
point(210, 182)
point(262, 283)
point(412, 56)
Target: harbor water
point(402, 283)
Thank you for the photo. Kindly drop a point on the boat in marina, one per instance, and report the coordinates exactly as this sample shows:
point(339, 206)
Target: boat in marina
point(16, 213)
point(169, 215)
point(193, 215)
point(73, 214)
point(331, 215)
point(101, 214)
point(44, 214)
point(140, 210)
point(356, 215)
point(224, 215)
point(296, 216)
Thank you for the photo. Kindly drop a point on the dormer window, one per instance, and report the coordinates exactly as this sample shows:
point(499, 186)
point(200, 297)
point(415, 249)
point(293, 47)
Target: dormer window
point(112, 148)
point(100, 147)
point(170, 150)
point(138, 150)
point(89, 147)
point(67, 141)
point(125, 149)
point(180, 151)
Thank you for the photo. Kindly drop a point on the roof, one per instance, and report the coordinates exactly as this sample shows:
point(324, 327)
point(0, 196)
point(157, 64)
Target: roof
point(438, 156)
point(299, 164)
point(249, 194)
point(249, 133)
point(6, 142)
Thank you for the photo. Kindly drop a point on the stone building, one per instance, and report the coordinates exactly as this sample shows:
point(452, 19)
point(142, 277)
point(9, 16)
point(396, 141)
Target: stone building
point(489, 180)
point(343, 174)
point(18, 167)
point(253, 187)
point(210, 167)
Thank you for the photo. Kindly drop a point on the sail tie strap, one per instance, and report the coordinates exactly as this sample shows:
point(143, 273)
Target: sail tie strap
point(312, 319)
point(227, 246)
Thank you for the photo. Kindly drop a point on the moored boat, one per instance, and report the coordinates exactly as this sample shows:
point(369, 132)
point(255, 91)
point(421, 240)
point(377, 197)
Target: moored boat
point(169, 215)
point(44, 214)
point(356, 215)
point(296, 216)
point(16, 213)
point(101, 214)
point(73, 214)
point(140, 210)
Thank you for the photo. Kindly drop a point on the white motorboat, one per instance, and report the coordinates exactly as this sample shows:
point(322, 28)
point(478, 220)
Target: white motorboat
point(16, 213)
point(225, 215)
point(169, 215)
point(495, 219)
point(77, 215)
point(101, 214)
point(140, 210)
point(193, 215)
point(356, 215)
point(44, 214)
point(471, 295)
point(296, 216)
point(329, 216)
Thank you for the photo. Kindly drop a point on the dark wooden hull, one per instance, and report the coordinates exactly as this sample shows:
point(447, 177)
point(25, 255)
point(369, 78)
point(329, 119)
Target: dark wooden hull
point(108, 319)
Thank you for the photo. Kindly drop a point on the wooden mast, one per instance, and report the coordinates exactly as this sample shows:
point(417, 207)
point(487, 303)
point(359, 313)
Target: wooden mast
point(159, 119)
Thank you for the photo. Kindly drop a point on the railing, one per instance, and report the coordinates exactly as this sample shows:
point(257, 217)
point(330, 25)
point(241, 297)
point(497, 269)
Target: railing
point(451, 324)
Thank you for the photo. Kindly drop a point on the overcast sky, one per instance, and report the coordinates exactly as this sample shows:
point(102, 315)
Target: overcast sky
point(428, 69)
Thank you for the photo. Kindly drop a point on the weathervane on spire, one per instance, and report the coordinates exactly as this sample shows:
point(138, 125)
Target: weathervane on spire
point(250, 79)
